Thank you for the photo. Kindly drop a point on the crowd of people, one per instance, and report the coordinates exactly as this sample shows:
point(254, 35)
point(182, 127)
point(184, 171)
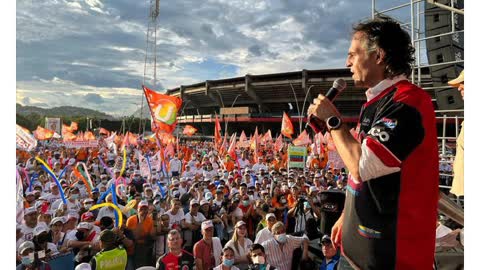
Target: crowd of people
point(201, 206)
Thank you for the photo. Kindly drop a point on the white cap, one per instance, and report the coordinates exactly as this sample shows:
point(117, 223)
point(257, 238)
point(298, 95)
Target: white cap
point(83, 266)
point(269, 215)
point(84, 225)
point(39, 229)
point(26, 245)
point(194, 201)
point(240, 223)
point(313, 189)
point(202, 202)
point(30, 210)
point(57, 219)
point(207, 224)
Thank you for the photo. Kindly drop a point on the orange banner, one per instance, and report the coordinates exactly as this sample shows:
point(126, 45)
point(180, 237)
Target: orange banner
point(43, 133)
point(189, 130)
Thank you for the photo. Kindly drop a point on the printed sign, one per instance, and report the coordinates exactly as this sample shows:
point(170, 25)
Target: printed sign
point(296, 156)
point(81, 144)
point(53, 124)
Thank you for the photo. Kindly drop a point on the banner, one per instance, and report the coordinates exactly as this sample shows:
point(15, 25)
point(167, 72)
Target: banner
point(81, 144)
point(25, 141)
point(19, 199)
point(53, 124)
point(296, 156)
point(335, 160)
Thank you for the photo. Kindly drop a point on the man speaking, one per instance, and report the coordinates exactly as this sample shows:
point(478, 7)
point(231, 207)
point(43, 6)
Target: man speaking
point(391, 204)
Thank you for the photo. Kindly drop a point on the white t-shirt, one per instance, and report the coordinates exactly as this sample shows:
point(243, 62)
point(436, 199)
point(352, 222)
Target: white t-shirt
point(263, 235)
point(237, 213)
point(177, 218)
point(242, 251)
point(243, 163)
point(51, 198)
point(27, 232)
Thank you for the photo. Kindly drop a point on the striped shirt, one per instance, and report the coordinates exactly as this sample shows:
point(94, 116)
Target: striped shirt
point(282, 258)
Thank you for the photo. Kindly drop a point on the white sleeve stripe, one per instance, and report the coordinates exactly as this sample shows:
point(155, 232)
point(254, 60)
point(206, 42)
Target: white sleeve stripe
point(370, 165)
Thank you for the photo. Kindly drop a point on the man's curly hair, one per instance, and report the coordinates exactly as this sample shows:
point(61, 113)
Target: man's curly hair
point(385, 33)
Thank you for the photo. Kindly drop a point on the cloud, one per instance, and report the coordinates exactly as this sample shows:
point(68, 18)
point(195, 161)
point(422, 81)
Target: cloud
point(91, 52)
point(94, 98)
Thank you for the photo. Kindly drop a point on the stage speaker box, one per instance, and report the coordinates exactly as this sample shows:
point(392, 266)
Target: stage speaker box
point(445, 48)
point(449, 99)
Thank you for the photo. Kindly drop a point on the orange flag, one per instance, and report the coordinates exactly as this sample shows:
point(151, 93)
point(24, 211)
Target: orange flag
point(73, 126)
point(302, 139)
point(132, 139)
point(267, 137)
point(164, 109)
point(189, 130)
point(68, 137)
point(43, 133)
point(287, 126)
point(88, 136)
point(278, 144)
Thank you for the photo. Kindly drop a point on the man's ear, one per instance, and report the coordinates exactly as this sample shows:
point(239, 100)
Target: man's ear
point(380, 56)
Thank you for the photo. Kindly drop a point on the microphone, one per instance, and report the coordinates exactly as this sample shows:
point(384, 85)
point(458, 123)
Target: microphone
point(338, 86)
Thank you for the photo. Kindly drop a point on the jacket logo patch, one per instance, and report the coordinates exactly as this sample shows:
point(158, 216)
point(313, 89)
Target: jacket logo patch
point(369, 233)
point(390, 123)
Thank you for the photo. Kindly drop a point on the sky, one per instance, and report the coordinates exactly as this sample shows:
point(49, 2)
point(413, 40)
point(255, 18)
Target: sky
point(91, 53)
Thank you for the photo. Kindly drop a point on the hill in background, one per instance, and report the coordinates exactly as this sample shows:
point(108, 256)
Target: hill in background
point(63, 111)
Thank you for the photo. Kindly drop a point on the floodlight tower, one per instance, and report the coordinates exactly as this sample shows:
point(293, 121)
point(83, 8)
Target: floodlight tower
point(150, 67)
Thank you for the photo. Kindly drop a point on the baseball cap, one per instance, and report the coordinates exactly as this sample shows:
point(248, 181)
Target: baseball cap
point(26, 245)
point(72, 215)
point(57, 219)
point(83, 266)
point(457, 81)
point(52, 185)
point(30, 210)
point(142, 204)
point(240, 223)
point(326, 238)
point(313, 189)
point(207, 224)
point(40, 229)
point(202, 202)
point(87, 215)
point(84, 225)
point(194, 201)
point(269, 215)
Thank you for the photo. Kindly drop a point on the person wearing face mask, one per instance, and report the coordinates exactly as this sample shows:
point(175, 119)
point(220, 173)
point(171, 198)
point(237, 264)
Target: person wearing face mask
point(175, 166)
point(103, 181)
point(73, 203)
point(257, 257)
point(279, 251)
point(42, 241)
point(29, 261)
point(57, 236)
point(228, 259)
point(248, 211)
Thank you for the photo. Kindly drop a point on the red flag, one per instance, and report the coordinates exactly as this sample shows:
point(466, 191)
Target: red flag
point(218, 128)
point(287, 126)
point(254, 145)
point(302, 139)
point(104, 131)
point(164, 109)
point(223, 146)
point(189, 130)
point(278, 144)
point(89, 136)
point(43, 133)
point(231, 149)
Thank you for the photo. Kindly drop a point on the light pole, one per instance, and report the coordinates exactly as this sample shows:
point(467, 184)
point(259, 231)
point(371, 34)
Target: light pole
point(296, 101)
point(303, 107)
point(226, 121)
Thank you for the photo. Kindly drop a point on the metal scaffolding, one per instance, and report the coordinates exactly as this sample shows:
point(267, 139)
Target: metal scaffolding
point(416, 26)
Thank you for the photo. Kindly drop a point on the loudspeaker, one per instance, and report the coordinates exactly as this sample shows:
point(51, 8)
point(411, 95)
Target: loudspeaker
point(444, 48)
point(449, 99)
